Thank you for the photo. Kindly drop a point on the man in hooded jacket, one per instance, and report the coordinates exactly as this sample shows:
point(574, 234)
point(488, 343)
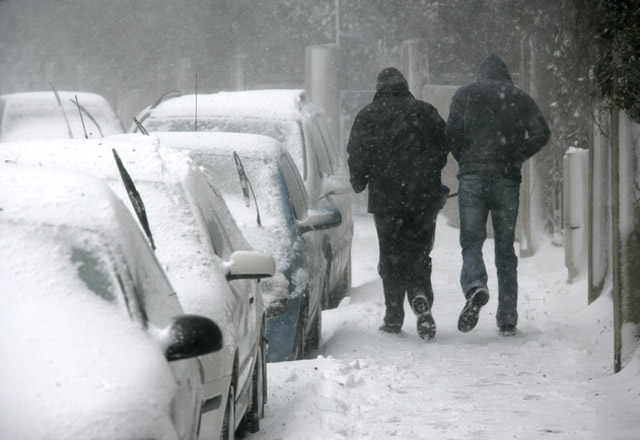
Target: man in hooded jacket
point(397, 148)
point(493, 127)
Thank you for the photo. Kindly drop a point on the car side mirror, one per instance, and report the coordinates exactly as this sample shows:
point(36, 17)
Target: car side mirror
point(336, 186)
point(244, 265)
point(188, 336)
point(319, 218)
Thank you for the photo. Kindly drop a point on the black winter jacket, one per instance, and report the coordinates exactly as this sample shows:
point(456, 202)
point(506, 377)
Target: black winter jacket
point(493, 126)
point(397, 147)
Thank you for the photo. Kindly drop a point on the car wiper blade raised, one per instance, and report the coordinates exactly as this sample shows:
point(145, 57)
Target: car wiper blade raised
point(246, 186)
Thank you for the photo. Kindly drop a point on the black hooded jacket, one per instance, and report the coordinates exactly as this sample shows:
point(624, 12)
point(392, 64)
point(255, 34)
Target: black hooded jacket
point(493, 126)
point(397, 147)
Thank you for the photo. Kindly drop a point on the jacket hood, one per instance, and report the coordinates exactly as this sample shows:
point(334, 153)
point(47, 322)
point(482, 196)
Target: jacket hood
point(390, 80)
point(493, 68)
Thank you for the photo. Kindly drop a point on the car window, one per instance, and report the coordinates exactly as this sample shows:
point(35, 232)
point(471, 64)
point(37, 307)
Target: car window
point(297, 194)
point(93, 271)
point(152, 297)
point(334, 154)
point(320, 148)
point(221, 244)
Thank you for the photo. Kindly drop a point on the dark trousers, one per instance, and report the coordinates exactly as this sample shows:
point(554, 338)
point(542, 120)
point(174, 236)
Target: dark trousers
point(405, 239)
point(477, 196)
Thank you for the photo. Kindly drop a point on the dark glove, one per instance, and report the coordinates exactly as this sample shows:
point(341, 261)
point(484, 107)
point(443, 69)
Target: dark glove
point(444, 195)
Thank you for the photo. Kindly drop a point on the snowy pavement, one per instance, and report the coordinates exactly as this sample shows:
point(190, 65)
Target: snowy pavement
point(554, 380)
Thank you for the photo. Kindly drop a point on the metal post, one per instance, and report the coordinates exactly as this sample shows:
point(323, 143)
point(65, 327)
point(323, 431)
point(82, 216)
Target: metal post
point(615, 239)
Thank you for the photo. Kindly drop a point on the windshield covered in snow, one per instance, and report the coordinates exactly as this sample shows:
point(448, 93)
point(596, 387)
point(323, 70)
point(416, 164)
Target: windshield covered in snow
point(39, 115)
point(76, 266)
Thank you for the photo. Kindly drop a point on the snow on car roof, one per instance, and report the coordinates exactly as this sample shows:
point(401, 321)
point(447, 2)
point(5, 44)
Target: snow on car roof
point(94, 156)
point(272, 103)
point(47, 99)
point(61, 197)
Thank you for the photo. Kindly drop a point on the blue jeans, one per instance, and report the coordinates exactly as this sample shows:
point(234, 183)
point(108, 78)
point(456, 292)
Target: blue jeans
point(477, 196)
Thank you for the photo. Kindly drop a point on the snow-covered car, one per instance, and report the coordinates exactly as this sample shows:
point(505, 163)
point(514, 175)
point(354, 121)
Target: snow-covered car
point(266, 196)
point(52, 114)
point(93, 333)
point(212, 267)
point(301, 127)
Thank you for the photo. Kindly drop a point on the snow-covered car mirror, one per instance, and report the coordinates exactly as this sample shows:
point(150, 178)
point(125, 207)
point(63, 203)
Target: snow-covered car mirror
point(250, 265)
point(335, 185)
point(188, 336)
point(318, 218)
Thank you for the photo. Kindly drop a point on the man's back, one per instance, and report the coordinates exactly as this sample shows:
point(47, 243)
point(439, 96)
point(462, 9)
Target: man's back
point(397, 147)
point(494, 126)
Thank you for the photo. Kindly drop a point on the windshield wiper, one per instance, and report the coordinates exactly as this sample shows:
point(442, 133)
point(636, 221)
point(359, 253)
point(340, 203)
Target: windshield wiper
point(245, 184)
point(134, 196)
point(82, 110)
point(66, 120)
point(140, 126)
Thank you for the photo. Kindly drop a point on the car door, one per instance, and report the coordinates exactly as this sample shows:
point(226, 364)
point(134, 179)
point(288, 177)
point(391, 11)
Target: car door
point(309, 244)
point(245, 302)
point(332, 174)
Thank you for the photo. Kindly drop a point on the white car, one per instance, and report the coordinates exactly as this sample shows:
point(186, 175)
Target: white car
point(266, 196)
point(52, 114)
point(89, 318)
point(301, 127)
point(205, 256)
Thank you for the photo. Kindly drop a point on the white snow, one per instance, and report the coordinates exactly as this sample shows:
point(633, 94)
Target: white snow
point(553, 380)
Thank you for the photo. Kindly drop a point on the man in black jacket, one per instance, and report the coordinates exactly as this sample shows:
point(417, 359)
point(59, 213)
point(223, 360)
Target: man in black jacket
point(493, 127)
point(397, 148)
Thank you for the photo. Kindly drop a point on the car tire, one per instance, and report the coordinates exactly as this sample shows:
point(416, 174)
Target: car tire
point(342, 290)
point(255, 412)
point(229, 421)
point(313, 339)
point(325, 301)
point(299, 341)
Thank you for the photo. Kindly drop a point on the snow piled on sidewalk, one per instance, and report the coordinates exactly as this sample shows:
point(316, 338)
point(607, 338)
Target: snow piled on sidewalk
point(553, 380)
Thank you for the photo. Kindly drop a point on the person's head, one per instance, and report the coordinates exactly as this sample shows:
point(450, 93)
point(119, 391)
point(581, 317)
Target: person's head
point(391, 78)
point(492, 67)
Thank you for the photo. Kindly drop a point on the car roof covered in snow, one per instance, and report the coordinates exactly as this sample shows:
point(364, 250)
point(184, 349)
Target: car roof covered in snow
point(95, 156)
point(62, 197)
point(270, 103)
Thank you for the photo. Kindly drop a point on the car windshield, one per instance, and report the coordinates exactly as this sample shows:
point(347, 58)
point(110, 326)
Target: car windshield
point(263, 176)
point(273, 237)
point(93, 271)
point(36, 119)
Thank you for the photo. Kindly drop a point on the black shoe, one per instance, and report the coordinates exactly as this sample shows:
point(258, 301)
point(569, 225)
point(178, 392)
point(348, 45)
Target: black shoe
point(471, 311)
point(426, 326)
point(391, 328)
point(508, 330)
